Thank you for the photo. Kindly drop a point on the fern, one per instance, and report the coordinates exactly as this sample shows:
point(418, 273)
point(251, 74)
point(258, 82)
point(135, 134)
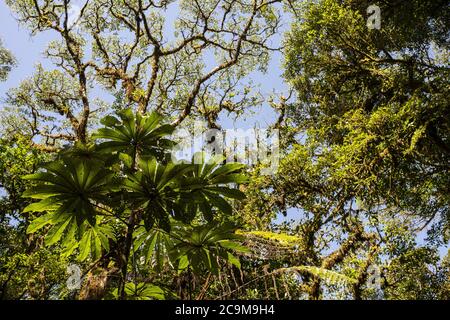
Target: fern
point(329, 276)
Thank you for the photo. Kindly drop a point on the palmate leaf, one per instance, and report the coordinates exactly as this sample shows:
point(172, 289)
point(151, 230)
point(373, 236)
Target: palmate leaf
point(156, 189)
point(154, 246)
point(234, 246)
point(143, 291)
point(134, 134)
point(197, 247)
point(69, 191)
point(180, 191)
point(69, 187)
point(201, 246)
point(56, 232)
point(91, 240)
point(214, 171)
point(212, 184)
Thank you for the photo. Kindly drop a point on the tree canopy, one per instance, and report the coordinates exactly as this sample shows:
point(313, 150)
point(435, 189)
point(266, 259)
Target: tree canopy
point(90, 190)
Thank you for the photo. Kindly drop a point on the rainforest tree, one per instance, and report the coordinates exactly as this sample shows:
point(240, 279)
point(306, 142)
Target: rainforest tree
point(366, 151)
point(125, 49)
point(115, 200)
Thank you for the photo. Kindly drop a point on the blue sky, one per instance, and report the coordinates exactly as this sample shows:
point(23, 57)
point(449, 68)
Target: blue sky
point(28, 51)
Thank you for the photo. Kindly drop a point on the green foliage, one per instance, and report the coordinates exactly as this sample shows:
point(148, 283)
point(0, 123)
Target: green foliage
point(201, 246)
point(89, 200)
point(330, 276)
point(365, 152)
point(134, 135)
point(213, 176)
point(364, 162)
point(17, 158)
point(416, 275)
point(181, 190)
point(154, 245)
point(142, 291)
point(282, 238)
point(158, 189)
point(70, 188)
point(38, 275)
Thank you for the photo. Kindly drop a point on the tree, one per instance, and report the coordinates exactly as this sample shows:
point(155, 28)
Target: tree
point(107, 199)
point(136, 59)
point(365, 145)
point(27, 270)
point(136, 62)
point(376, 101)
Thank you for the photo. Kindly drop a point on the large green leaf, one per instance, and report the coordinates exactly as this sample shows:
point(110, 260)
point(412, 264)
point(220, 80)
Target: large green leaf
point(70, 187)
point(210, 184)
point(158, 190)
point(39, 223)
point(143, 291)
point(202, 245)
point(135, 134)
